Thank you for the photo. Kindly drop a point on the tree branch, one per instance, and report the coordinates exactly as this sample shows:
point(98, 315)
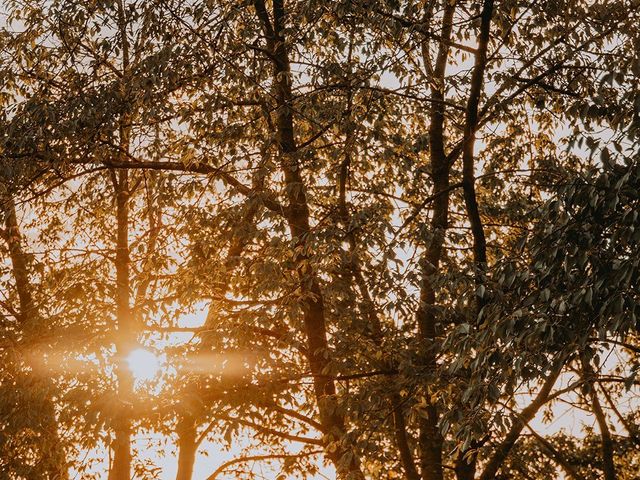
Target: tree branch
point(525, 416)
point(254, 458)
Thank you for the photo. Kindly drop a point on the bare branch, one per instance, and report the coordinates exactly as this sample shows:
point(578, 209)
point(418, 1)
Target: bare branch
point(258, 458)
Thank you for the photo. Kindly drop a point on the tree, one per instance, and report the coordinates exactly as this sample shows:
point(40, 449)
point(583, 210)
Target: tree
point(403, 216)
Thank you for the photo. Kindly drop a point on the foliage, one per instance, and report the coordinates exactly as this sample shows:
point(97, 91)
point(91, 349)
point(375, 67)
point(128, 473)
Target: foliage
point(393, 220)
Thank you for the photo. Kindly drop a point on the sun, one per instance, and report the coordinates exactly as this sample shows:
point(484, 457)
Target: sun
point(144, 365)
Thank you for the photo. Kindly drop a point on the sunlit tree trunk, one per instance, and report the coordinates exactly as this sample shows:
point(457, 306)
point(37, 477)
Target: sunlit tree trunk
point(355, 272)
point(188, 440)
point(187, 447)
point(121, 468)
point(125, 331)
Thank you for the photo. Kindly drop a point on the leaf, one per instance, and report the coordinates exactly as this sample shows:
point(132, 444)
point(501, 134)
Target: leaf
point(480, 291)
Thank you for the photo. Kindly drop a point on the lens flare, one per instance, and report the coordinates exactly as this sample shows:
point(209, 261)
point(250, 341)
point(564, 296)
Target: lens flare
point(144, 365)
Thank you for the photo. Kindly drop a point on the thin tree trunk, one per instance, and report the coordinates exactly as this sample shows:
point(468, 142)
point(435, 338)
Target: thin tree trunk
point(399, 425)
point(374, 323)
point(430, 438)
point(471, 124)
point(125, 324)
point(188, 441)
point(606, 443)
point(354, 269)
point(400, 433)
point(465, 467)
point(298, 219)
point(52, 454)
point(125, 334)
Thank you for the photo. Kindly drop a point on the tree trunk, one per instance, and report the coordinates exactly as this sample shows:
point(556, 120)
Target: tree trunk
point(354, 271)
point(471, 124)
point(465, 468)
point(125, 335)
point(52, 454)
point(430, 438)
point(606, 443)
point(346, 462)
point(188, 446)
